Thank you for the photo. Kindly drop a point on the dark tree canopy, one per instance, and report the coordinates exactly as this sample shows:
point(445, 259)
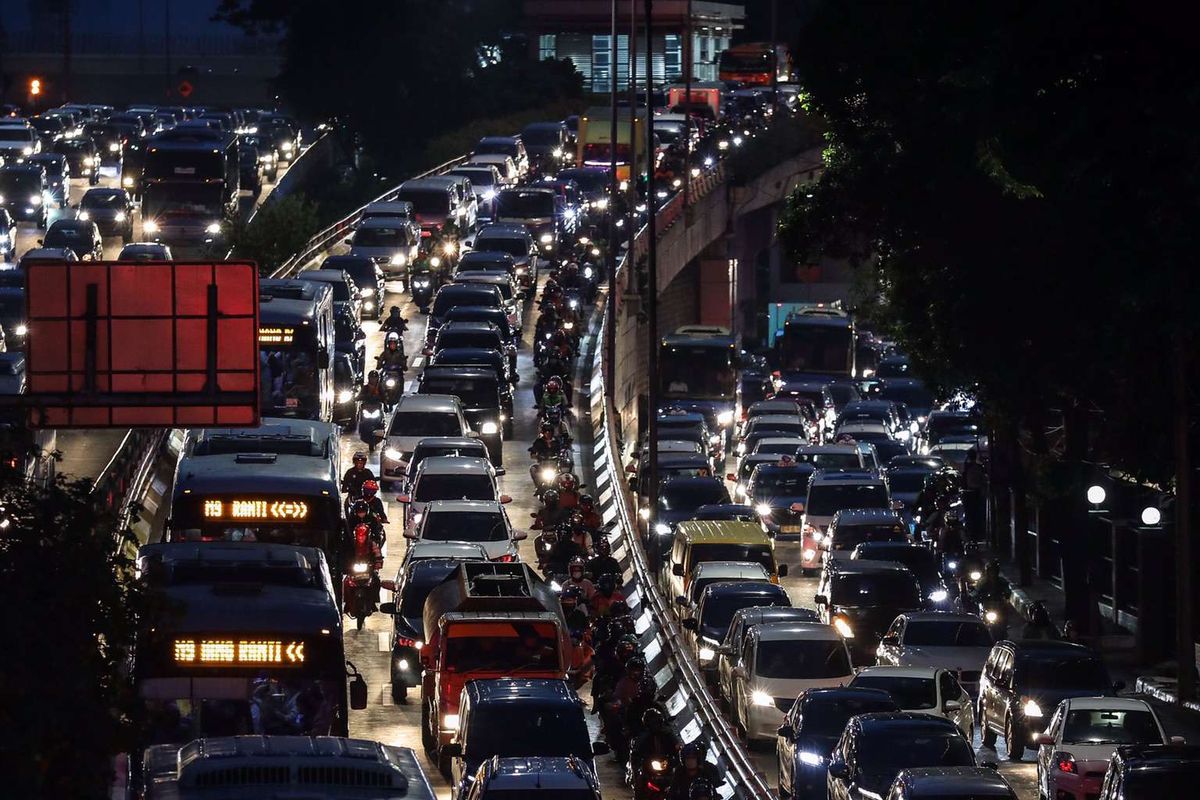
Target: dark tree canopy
point(1024, 179)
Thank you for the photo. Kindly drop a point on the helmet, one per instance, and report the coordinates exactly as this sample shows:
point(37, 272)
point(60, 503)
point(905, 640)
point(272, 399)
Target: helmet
point(701, 790)
point(692, 750)
point(620, 610)
point(587, 500)
point(576, 563)
point(360, 507)
point(606, 584)
point(370, 488)
point(571, 596)
point(627, 645)
point(636, 664)
point(358, 456)
point(373, 375)
point(787, 460)
point(394, 311)
point(550, 497)
point(601, 545)
point(391, 340)
point(576, 519)
point(554, 385)
point(567, 482)
point(653, 719)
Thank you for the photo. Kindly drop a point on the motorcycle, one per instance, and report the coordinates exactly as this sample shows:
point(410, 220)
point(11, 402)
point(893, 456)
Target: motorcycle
point(543, 547)
point(422, 290)
point(393, 384)
point(370, 419)
point(545, 472)
point(650, 777)
point(360, 586)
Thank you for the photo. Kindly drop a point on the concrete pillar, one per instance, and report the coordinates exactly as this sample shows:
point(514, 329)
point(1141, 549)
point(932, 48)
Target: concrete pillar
point(716, 283)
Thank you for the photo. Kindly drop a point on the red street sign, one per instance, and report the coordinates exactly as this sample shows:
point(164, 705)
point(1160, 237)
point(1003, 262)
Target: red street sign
point(129, 345)
point(184, 89)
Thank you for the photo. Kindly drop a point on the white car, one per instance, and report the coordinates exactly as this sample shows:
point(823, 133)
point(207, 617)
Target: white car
point(957, 642)
point(509, 173)
point(481, 522)
point(417, 417)
point(928, 690)
point(1074, 752)
point(449, 478)
point(709, 572)
point(455, 551)
point(778, 661)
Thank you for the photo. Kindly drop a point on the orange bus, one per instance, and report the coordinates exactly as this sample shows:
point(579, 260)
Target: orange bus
point(755, 63)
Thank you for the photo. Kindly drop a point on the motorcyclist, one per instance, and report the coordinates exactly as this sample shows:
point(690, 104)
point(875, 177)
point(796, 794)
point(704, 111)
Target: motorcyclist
point(366, 547)
point(564, 552)
point(607, 593)
point(611, 655)
point(1040, 626)
point(370, 494)
point(583, 666)
point(591, 518)
point(394, 323)
point(577, 578)
point(550, 514)
point(392, 359)
point(992, 586)
point(568, 490)
point(554, 396)
point(628, 698)
point(360, 514)
point(571, 598)
point(372, 390)
point(353, 479)
point(693, 767)
point(602, 561)
point(657, 738)
point(544, 448)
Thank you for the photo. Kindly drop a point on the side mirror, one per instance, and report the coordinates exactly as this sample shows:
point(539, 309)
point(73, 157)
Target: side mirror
point(452, 750)
point(785, 731)
point(404, 498)
point(677, 570)
point(409, 535)
point(782, 570)
point(473, 434)
point(348, 240)
point(1178, 740)
point(892, 639)
point(739, 672)
point(690, 623)
point(520, 536)
point(680, 600)
point(500, 472)
point(951, 706)
point(504, 498)
point(820, 599)
point(839, 771)
point(379, 433)
point(1044, 739)
point(387, 608)
point(897, 505)
point(600, 748)
point(358, 692)
point(796, 508)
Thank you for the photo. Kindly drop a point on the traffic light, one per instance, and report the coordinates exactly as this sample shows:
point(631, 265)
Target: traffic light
point(35, 87)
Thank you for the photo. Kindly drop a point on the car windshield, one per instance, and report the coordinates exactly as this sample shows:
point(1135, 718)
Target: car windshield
point(16, 135)
point(425, 423)
point(1063, 673)
point(418, 587)
point(426, 202)
point(946, 633)
point(759, 553)
point(103, 199)
point(543, 794)
point(381, 237)
point(450, 296)
point(53, 167)
point(64, 236)
point(776, 448)
point(691, 495)
point(921, 561)
point(477, 177)
point(588, 180)
point(832, 460)
point(914, 396)
point(510, 730)
point(891, 750)
point(787, 484)
point(486, 340)
point(910, 693)
point(826, 499)
point(907, 481)
point(464, 526)
point(1100, 726)
point(521, 204)
point(15, 182)
point(471, 392)
point(883, 589)
point(540, 135)
point(454, 487)
point(496, 148)
point(799, 659)
point(1179, 780)
point(361, 271)
point(718, 611)
point(513, 245)
point(828, 717)
point(848, 536)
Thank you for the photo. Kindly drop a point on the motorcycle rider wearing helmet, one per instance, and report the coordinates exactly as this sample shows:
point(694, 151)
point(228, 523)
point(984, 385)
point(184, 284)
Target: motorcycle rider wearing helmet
point(577, 578)
point(394, 322)
point(610, 658)
point(372, 390)
point(360, 514)
point(550, 514)
point(565, 551)
point(392, 358)
point(553, 396)
point(591, 518)
point(631, 696)
point(607, 593)
point(657, 738)
point(370, 494)
point(571, 598)
point(544, 448)
point(693, 767)
point(568, 490)
point(602, 561)
point(366, 546)
point(353, 479)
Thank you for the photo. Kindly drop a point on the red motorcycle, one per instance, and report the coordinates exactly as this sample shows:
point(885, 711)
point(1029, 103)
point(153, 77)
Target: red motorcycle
point(360, 587)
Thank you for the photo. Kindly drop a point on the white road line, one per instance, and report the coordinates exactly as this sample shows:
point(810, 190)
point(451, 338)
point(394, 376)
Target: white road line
point(418, 361)
point(386, 698)
point(385, 641)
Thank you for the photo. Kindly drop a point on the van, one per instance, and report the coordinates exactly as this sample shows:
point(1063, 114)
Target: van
point(830, 492)
point(464, 197)
point(416, 417)
point(435, 202)
point(697, 541)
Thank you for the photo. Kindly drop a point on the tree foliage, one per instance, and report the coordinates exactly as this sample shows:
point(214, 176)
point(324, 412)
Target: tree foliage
point(71, 607)
point(276, 232)
point(1023, 178)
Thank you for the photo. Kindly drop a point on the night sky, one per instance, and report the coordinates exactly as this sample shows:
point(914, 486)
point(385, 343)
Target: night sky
point(188, 17)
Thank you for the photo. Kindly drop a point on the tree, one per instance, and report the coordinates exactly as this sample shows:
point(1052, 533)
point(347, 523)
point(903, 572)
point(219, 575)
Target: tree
point(276, 232)
point(72, 605)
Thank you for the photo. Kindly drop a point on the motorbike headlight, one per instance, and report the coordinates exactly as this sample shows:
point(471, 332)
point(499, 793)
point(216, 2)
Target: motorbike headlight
point(113, 147)
point(421, 283)
point(398, 260)
point(569, 326)
point(392, 453)
point(601, 204)
point(658, 766)
point(390, 383)
point(489, 195)
point(555, 586)
point(1030, 708)
point(951, 565)
point(21, 329)
point(816, 535)
point(369, 413)
point(760, 698)
point(35, 200)
point(558, 152)
point(449, 248)
point(434, 261)
point(975, 575)
point(725, 418)
point(450, 722)
point(150, 226)
point(88, 161)
point(662, 529)
point(214, 228)
point(84, 216)
point(939, 595)
point(809, 554)
point(366, 292)
point(644, 513)
point(360, 567)
point(287, 147)
point(991, 616)
point(345, 396)
point(27, 151)
point(127, 181)
point(489, 429)
point(549, 474)
point(810, 759)
point(763, 509)
point(588, 272)
point(707, 654)
point(546, 238)
point(120, 217)
point(843, 627)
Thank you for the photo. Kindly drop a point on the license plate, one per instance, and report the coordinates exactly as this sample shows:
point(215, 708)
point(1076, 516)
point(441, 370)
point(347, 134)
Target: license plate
point(790, 528)
point(292, 402)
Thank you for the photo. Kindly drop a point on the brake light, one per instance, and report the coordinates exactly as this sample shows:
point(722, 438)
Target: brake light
point(1065, 762)
point(507, 558)
point(404, 641)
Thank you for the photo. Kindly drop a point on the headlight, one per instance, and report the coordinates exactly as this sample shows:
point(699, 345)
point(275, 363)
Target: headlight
point(449, 248)
point(761, 698)
point(345, 396)
point(213, 228)
point(546, 238)
point(1, 198)
point(390, 383)
point(722, 145)
point(21, 329)
point(367, 292)
point(450, 722)
point(991, 616)
point(287, 147)
point(810, 759)
point(113, 147)
point(127, 181)
point(558, 153)
point(555, 586)
point(737, 141)
point(88, 161)
point(392, 453)
point(658, 766)
point(27, 151)
point(84, 216)
point(843, 627)
point(360, 567)
point(434, 261)
point(601, 204)
point(588, 272)
point(763, 509)
point(725, 418)
point(1031, 708)
point(951, 565)
point(549, 474)
point(421, 283)
point(120, 217)
point(489, 195)
point(150, 226)
point(939, 595)
point(975, 575)
point(707, 654)
point(369, 413)
point(741, 448)
point(489, 429)
point(569, 326)
point(816, 535)
point(417, 517)
point(35, 199)
point(644, 513)
point(368, 306)
point(662, 529)
point(809, 554)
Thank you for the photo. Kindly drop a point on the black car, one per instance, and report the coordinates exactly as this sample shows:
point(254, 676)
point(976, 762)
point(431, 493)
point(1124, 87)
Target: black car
point(678, 499)
point(478, 390)
point(110, 209)
point(487, 261)
point(709, 625)
point(80, 236)
point(561, 778)
point(13, 316)
point(264, 154)
point(515, 240)
point(546, 144)
point(366, 276)
point(349, 338)
point(728, 512)
point(922, 562)
point(109, 141)
point(1023, 682)
point(250, 171)
point(414, 582)
point(1149, 772)
point(49, 129)
point(496, 316)
point(83, 158)
point(58, 175)
point(145, 251)
point(862, 598)
point(493, 360)
point(462, 294)
point(23, 192)
point(874, 748)
point(458, 333)
point(345, 388)
point(811, 730)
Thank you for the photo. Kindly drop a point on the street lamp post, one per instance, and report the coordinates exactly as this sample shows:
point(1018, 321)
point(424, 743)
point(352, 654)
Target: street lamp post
point(610, 308)
point(651, 295)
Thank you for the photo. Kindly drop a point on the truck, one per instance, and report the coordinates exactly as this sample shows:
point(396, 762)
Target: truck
point(704, 97)
point(755, 63)
point(594, 143)
point(485, 620)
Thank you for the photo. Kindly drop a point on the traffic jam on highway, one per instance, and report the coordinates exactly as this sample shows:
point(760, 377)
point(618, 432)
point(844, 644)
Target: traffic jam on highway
point(409, 549)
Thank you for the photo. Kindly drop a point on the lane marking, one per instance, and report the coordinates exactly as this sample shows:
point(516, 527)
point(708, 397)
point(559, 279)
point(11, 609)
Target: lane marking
point(386, 698)
point(418, 361)
point(385, 641)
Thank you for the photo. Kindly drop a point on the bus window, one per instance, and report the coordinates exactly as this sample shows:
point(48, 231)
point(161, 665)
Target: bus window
point(698, 372)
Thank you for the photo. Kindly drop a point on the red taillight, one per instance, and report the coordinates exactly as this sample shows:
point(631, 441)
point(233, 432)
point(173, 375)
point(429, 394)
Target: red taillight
point(426, 233)
point(1065, 763)
point(360, 535)
point(506, 559)
point(403, 641)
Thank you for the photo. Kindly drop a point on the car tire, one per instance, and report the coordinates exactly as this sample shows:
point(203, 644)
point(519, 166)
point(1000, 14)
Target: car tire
point(1013, 748)
point(428, 741)
point(987, 736)
point(443, 764)
point(399, 692)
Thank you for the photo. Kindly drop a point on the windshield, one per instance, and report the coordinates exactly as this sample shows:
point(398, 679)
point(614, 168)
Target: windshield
point(68, 146)
point(760, 553)
point(829, 717)
point(916, 397)
point(691, 495)
point(488, 340)
point(910, 693)
point(588, 180)
point(826, 499)
point(477, 177)
point(103, 199)
point(1155, 784)
point(718, 610)
point(16, 135)
point(797, 659)
point(921, 561)
point(703, 372)
point(454, 487)
point(450, 296)
point(895, 589)
point(847, 537)
point(426, 201)
point(496, 148)
point(425, 423)
point(66, 236)
point(514, 246)
point(14, 182)
point(182, 199)
point(53, 167)
point(510, 730)
point(547, 135)
point(779, 483)
point(816, 348)
point(1098, 726)
point(382, 237)
point(890, 751)
point(832, 460)
point(418, 587)
point(289, 380)
point(187, 164)
point(908, 482)
point(1063, 673)
point(502, 646)
point(471, 392)
point(522, 205)
point(465, 526)
point(946, 634)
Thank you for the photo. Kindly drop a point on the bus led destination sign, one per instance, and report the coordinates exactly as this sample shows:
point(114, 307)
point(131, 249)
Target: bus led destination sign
point(256, 509)
point(276, 334)
point(238, 652)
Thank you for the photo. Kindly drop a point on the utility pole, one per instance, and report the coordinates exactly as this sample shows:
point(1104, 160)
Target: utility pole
point(687, 58)
point(66, 79)
point(632, 183)
point(774, 59)
point(167, 45)
point(651, 296)
point(610, 309)
point(1185, 638)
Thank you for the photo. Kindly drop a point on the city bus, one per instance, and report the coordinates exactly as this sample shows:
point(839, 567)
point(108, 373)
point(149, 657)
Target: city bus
point(277, 483)
point(190, 184)
point(296, 345)
point(251, 644)
point(817, 340)
point(756, 63)
point(698, 371)
point(594, 145)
